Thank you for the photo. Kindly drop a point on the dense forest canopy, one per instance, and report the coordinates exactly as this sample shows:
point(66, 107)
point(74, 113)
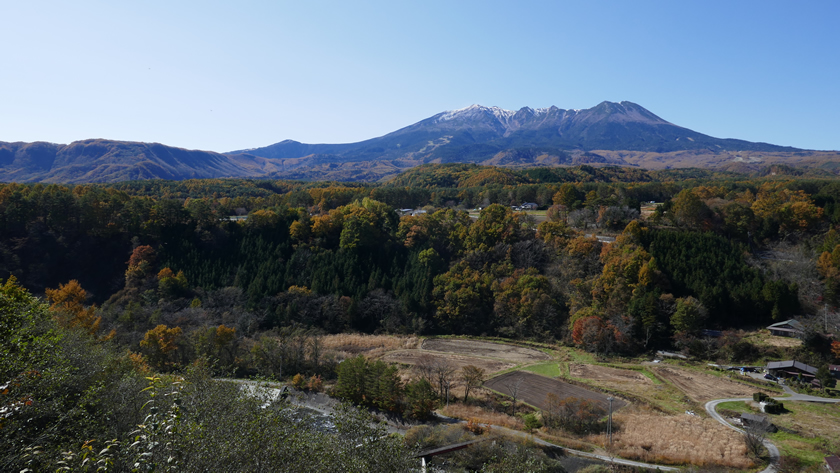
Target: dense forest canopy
point(339, 256)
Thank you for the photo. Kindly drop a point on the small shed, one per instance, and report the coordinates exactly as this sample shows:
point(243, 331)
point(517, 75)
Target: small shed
point(786, 328)
point(791, 369)
point(834, 370)
point(529, 206)
point(832, 463)
point(759, 421)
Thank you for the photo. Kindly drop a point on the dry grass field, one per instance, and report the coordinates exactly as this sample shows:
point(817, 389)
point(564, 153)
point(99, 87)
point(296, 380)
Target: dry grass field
point(347, 345)
point(482, 416)
point(500, 351)
point(701, 387)
point(763, 338)
point(534, 388)
point(679, 439)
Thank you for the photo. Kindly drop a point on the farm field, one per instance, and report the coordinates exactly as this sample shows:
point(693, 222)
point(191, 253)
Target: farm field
point(511, 353)
point(410, 357)
point(614, 379)
point(700, 387)
point(346, 345)
point(678, 439)
point(534, 389)
point(490, 356)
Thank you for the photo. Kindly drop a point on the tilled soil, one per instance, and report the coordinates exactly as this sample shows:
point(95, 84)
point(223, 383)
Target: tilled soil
point(701, 387)
point(605, 373)
point(511, 353)
point(410, 357)
point(534, 389)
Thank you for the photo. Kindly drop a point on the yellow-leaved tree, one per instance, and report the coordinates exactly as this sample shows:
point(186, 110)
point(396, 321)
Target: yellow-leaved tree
point(69, 310)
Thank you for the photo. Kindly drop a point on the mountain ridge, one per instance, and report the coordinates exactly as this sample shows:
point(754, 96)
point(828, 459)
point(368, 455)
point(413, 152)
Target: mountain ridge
point(610, 133)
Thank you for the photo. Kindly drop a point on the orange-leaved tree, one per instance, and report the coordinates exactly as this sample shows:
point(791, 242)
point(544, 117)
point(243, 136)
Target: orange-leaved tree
point(67, 305)
point(140, 265)
point(160, 344)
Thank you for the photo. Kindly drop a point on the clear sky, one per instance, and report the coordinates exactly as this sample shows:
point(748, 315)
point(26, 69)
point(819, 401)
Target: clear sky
point(229, 75)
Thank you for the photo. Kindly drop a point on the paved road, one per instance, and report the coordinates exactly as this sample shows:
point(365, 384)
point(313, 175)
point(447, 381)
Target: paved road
point(578, 453)
point(711, 409)
point(274, 392)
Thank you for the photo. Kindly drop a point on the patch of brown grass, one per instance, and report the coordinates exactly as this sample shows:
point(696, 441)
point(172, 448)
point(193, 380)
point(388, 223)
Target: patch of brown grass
point(763, 338)
point(679, 439)
point(347, 345)
point(556, 437)
point(482, 415)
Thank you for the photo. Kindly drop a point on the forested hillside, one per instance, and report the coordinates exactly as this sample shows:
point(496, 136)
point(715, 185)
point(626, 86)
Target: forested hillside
point(339, 257)
point(244, 277)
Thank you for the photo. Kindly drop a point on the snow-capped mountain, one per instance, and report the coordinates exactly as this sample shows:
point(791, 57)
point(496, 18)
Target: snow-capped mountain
point(477, 133)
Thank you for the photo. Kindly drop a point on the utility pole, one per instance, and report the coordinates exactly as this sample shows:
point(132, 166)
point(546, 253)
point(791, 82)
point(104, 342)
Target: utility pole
point(825, 319)
point(609, 423)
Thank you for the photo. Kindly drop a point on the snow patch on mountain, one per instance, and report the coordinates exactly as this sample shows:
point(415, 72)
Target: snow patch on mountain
point(476, 111)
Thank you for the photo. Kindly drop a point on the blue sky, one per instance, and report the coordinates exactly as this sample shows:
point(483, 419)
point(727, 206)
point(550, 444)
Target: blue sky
point(230, 75)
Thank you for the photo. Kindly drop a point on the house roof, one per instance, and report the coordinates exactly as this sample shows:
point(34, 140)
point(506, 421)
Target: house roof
point(833, 462)
point(755, 418)
point(833, 367)
point(787, 324)
point(780, 365)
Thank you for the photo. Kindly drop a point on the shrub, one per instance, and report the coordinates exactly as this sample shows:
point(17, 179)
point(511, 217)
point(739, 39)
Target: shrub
point(531, 422)
point(298, 381)
point(760, 397)
point(774, 407)
point(315, 383)
point(475, 427)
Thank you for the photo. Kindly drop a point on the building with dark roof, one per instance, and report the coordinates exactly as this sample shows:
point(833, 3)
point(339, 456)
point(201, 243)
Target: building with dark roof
point(832, 463)
point(786, 328)
point(791, 369)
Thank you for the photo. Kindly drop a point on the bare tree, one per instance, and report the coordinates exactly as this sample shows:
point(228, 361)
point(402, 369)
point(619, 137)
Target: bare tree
point(473, 377)
point(443, 374)
point(754, 434)
point(437, 371)
point(424, 367)
point(512, 385)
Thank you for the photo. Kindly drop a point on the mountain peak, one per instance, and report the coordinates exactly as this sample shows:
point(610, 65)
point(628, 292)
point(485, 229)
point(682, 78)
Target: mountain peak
point(501, 115)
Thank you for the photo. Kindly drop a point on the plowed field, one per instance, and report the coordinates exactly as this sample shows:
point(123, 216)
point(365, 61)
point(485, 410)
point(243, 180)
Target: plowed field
point(605, 373)
point(534, 388)
point(703, 387)
point(511, 353)
point(615, 379)
point(410, 357)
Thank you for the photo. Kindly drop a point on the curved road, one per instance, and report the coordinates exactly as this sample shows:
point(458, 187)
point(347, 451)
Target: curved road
point(275, 393)
point(577, 453)
point(711, 409)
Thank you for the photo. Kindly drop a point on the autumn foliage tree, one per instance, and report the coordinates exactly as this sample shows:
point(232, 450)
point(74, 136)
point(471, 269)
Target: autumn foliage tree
point(67, 305)
point(140, 265)
point(159, 345)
